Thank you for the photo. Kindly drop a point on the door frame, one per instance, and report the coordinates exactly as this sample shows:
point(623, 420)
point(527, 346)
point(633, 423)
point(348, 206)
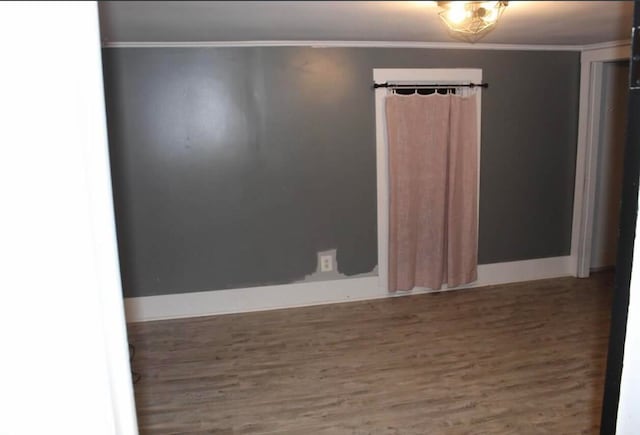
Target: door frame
point(453, 76)
point(592, 63)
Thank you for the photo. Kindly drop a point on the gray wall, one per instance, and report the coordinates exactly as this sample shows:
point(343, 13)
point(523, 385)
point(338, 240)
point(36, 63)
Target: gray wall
point(233, 167)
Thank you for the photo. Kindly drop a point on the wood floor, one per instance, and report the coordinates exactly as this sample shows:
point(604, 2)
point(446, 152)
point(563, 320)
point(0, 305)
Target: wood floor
point(515, 359)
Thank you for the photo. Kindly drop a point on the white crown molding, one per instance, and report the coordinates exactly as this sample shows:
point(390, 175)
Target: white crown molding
point(371, 44)
point(334, 44)
point(609, 44)
point(618, 50)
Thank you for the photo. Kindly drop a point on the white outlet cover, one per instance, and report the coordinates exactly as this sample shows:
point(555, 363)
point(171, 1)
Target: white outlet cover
point(326, 263)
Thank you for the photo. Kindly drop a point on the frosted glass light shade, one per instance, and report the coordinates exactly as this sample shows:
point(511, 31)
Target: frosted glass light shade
point(471, 20)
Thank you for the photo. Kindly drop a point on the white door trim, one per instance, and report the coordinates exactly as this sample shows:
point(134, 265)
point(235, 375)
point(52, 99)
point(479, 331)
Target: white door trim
point(103, 228)
point(587, 152)
point(408, 75)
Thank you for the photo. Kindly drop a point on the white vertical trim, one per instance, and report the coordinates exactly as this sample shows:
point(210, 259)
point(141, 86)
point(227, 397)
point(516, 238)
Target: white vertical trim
point(587, 152)
point(628, 417)
point(382, 181)
point(65, 366)
point(590, 167)
point(103, 228)
point(577, 232)
point(415, 75)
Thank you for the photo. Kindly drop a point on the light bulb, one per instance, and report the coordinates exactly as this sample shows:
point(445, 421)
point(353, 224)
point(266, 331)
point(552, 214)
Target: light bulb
point(471, 19)
point(491, 9)
point(457, 12)
point(491, 16)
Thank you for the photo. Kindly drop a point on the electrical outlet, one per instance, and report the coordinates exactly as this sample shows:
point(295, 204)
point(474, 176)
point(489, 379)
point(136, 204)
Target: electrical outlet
point(326, 263)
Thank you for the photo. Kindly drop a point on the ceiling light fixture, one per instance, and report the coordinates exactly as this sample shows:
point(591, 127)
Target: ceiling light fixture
point(471, 20)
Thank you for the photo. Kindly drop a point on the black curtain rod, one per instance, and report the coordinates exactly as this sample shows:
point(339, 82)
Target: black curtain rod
point(425, 86)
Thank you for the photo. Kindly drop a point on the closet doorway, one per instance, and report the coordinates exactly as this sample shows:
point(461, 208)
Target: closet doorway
point(610, 156)
point(415, 77)
point(601, 136)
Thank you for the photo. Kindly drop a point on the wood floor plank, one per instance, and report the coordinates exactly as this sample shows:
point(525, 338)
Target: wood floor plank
point(524, 358)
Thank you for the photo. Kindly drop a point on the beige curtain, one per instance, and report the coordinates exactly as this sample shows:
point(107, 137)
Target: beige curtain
point(433, 175)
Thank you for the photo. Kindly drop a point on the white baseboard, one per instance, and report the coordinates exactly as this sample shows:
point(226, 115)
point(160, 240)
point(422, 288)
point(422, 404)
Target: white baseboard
point(526, 270)
point(272, 297)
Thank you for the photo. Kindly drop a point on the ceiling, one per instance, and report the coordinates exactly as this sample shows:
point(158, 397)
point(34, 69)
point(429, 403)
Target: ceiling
point(524, 22)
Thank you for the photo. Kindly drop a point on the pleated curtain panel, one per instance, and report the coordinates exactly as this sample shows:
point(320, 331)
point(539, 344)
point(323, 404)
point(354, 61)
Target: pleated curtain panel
point(433, 181)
